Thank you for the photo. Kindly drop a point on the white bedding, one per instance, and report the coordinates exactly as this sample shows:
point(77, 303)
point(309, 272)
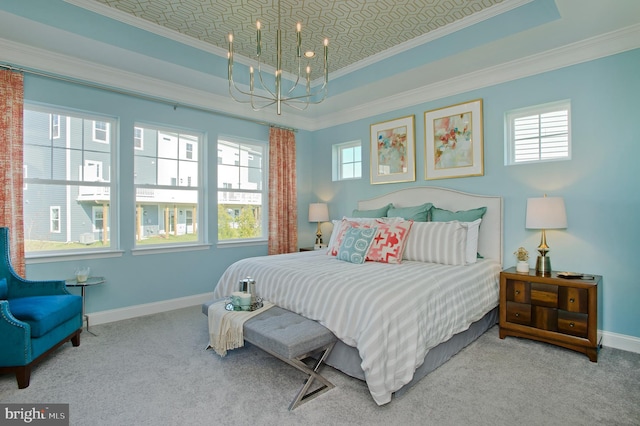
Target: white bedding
point(392, 313)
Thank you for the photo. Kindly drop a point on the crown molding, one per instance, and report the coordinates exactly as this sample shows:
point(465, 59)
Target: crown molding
point(51, 63)
point(608, 44)
point(451, 28)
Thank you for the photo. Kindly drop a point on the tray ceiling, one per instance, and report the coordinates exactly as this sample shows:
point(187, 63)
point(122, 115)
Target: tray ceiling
point(357, 29)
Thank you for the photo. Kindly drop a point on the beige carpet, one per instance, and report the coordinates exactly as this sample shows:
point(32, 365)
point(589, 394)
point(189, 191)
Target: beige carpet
point(154, 371)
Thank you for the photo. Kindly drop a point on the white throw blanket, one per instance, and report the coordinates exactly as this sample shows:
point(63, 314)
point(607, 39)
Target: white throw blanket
point(226, 327)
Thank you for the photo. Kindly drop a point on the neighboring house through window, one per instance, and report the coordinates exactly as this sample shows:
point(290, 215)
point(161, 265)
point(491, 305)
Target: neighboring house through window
point(168, 189)
point(71, 175)
point(242, 190)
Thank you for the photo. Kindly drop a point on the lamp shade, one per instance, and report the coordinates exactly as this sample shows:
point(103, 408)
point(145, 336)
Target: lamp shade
point(318, 212)
point(546, 213)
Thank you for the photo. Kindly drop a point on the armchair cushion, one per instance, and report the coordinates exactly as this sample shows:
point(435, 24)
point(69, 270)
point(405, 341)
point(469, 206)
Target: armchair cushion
point(4, 289)
point(44, 313)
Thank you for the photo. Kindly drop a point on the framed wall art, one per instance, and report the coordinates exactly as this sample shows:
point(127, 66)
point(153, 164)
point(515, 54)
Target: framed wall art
point(453, 141)
point(393, 151)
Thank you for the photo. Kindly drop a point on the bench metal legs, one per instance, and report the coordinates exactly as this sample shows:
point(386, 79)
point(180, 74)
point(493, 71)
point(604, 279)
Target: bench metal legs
point(303, 394)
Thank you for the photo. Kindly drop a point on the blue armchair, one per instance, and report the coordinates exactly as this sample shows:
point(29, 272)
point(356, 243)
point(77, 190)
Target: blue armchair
point(36, 317)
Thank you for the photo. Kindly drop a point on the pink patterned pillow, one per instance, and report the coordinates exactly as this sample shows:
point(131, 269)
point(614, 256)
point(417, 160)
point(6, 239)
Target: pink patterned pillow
point(389, 242)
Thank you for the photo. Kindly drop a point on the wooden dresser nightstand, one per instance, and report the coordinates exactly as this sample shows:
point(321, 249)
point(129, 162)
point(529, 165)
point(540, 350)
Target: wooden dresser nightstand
point(550, 309)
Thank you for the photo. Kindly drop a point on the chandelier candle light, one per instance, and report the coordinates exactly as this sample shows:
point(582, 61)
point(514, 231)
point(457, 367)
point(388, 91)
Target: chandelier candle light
point(269, 96)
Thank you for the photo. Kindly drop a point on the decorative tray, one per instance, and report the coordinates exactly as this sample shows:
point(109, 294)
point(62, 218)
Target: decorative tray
point(254, 306)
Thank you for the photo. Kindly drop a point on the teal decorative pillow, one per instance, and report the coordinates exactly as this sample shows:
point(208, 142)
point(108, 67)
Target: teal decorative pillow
point(355, 244)
point(416, 213)
point(4, 290)
point(381, 212)
point(442, 215)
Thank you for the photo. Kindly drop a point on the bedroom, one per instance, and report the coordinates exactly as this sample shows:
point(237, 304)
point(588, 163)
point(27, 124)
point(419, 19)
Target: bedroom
point(599, 183)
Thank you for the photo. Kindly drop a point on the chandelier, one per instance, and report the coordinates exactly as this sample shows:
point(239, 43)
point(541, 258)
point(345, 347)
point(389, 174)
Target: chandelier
point(268, 96)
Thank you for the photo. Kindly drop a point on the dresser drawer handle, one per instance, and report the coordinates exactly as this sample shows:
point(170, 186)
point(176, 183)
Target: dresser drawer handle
point(572, 325)
point(572, 300)
point(517, 314)
point(517, 292)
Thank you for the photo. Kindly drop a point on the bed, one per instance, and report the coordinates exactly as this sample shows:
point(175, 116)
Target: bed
point(395, 322)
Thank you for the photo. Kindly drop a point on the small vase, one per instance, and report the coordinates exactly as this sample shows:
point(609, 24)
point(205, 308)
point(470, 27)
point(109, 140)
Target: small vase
point(522, 266)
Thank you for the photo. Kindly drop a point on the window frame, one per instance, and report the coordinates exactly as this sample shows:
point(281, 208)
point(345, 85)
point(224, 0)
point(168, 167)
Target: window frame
point(176, 183)
point(338, 162)
point(69, 183)
point(531, 112)
point(227, 187)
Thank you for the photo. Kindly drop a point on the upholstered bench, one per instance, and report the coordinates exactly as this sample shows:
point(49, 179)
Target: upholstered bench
point(293, 339)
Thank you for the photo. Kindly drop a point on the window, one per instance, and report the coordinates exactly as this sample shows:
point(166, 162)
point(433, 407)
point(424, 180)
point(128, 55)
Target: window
point(54, 219)
point(138, 141)
point(167, 185)
point(69, 176)
point(347, 161)
point(242, 192)
point(55, 126)
point(539, 133)
point(101, 131)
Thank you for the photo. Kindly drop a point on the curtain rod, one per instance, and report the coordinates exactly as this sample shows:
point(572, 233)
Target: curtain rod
point(175, 105)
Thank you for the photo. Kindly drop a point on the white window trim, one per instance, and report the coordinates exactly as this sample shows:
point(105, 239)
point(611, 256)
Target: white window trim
point(336, 154)
point(201, 215)
point(537, 110)
point(113, 249)
point(264, 191)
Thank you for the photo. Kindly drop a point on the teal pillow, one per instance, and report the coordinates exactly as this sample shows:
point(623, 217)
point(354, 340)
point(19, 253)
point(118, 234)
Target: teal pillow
point(416, 213)
point(381, 212)
point(355, 244)
point(4, 290)
point(442, 215)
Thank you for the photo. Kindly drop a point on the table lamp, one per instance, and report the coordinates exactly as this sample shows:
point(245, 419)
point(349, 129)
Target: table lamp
point(318, 212)
point(545, 213)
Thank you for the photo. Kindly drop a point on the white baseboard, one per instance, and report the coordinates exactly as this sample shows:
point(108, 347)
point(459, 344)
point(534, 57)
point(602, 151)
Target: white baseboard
point(129, 312)
point(620, 341)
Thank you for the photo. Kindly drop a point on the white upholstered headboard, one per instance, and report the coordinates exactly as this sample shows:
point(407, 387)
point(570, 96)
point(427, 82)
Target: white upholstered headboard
point(490, 238)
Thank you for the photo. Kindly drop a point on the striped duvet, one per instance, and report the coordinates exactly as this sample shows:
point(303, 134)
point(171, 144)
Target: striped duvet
point(392, 313)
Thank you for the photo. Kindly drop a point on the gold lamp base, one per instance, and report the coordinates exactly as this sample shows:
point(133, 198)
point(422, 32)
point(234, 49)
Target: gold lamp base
point(543, 266)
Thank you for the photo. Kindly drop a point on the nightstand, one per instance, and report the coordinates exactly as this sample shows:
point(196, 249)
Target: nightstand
point(306, 248)
point(563, 312)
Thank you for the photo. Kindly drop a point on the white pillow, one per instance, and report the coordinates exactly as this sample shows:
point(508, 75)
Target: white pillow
point(449, 243)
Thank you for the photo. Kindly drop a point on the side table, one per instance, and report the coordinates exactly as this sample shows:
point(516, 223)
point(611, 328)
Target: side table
point(551, 309)
point(72, 282)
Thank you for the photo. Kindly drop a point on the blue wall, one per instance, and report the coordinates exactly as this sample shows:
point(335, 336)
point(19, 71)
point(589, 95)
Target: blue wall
point(138, 279)
point(599, 184)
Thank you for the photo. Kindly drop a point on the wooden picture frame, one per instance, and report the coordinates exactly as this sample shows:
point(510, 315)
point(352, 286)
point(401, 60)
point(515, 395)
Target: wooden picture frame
point(393, 151)
point(453, 146)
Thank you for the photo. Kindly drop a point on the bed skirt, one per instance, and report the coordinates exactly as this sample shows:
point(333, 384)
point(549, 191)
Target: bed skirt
point(347, 359)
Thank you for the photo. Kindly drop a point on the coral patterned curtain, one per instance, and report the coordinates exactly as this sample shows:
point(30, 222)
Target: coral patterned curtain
point(283, 206)
point(12, 101)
